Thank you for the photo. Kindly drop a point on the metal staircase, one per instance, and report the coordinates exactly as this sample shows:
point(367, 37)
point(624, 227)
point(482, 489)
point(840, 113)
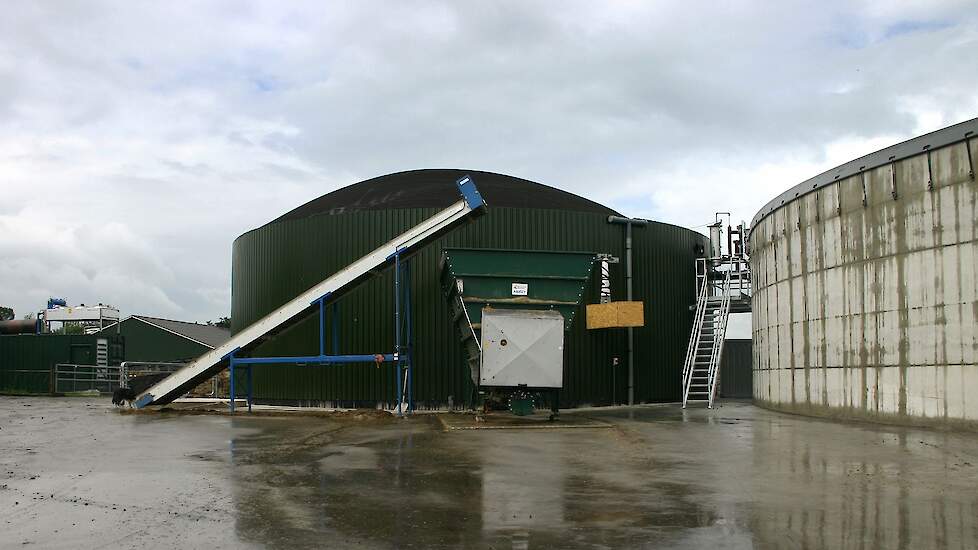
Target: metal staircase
point(702, 369)
point(723, 285)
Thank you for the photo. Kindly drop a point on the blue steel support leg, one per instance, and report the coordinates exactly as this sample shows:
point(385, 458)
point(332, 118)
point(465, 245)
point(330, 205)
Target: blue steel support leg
point(322, 328)
point(409, 346)
point(231, 382)
point(397, 329)
point(249, 388)
point(335, 325)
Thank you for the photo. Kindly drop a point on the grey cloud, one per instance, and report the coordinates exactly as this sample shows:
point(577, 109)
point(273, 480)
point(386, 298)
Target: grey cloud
point(189, 125)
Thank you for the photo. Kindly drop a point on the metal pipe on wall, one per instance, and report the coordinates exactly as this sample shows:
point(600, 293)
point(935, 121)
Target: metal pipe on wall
point(628, 223)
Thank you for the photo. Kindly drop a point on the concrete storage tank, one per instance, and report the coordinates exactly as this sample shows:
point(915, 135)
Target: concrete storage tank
point(865, 283)
point(275, 262)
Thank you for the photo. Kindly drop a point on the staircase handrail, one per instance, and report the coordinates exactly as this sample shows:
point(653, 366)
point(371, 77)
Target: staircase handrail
point(720, 336)
point(694, 335)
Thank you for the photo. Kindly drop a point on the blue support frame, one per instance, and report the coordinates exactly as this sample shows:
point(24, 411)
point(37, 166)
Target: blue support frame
point(231, 393)
point(401, 356)
point(397, 330)
point(409, 346)
point(335, 325)
point(249, 388)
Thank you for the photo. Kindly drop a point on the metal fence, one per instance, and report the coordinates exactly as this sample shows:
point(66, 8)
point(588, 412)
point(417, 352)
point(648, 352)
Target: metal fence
point(70, 378)
point(132, 369)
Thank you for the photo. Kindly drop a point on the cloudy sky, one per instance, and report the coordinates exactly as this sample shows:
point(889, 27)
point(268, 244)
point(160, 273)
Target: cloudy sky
point(137, 140)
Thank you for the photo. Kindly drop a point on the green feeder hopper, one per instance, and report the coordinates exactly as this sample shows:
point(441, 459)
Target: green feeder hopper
point(512, 308)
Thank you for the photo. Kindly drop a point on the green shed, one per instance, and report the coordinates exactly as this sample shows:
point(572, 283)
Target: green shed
point(26, 360)
point(153, 339)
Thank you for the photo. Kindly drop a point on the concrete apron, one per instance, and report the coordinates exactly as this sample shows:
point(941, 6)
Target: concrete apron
point(77, 474)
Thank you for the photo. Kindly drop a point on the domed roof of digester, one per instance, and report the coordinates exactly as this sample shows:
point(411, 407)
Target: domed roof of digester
point(435, 188)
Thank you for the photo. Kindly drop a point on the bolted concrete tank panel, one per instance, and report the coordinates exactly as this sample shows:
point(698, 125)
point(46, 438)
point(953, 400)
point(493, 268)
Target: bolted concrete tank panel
point(865, 287)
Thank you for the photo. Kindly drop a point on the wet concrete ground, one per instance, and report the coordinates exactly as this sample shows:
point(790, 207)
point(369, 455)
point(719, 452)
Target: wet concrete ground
point(75, 473)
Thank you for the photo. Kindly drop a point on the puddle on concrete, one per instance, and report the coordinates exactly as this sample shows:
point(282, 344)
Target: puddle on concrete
point(422, 488)
point(85, 476)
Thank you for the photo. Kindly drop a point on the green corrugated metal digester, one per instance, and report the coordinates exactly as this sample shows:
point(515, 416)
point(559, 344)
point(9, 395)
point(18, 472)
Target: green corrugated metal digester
point(26, 360)
point(274, 263)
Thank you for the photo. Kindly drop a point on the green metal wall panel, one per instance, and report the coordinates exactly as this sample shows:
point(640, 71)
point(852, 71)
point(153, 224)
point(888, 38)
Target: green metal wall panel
point(145, 342)
point(26, 360)
point(274, 263)
point(736, 374)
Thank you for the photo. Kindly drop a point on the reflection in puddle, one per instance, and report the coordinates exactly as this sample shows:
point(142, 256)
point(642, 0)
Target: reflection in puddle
point(881, 490)
point(741, 478)
point(522, 488)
